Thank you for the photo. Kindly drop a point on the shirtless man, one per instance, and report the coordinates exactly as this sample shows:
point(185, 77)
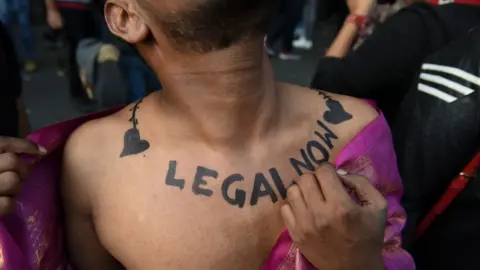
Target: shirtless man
point(196, 177)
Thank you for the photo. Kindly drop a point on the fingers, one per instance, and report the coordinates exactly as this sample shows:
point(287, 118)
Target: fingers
point(366, 192)
point(13, 169)
point(330, 183)
point(311, 190)
point(288, 217)
point(7, 204)
point(20, 146)
point(296, 201)
point(10, 184)
point(295, 213)
point(11, 162)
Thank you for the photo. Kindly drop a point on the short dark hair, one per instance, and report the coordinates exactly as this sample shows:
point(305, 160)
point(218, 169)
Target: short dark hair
point(210, 25)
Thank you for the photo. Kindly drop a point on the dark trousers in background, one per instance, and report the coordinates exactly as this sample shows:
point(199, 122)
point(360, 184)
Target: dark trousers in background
point(18, 11)
point(284, 25)
point(141, 79)
point(78, 24)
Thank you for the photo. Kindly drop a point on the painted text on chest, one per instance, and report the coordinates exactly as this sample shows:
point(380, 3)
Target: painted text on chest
point(271, 185)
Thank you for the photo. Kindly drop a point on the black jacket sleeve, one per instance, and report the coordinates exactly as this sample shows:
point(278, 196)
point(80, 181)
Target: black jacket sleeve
point(391, 55)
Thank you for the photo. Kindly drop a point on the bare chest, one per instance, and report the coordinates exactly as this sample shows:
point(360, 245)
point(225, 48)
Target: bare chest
point(229, 223)
point(203, 212)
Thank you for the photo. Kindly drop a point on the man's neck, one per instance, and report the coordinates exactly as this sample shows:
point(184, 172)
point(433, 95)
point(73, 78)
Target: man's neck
point(225, 98)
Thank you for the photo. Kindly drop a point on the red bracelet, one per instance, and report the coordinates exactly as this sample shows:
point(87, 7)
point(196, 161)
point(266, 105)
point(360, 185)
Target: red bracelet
point(359, 20)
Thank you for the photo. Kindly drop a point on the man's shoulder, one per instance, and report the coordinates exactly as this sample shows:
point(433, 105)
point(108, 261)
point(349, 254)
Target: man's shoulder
point(85, 156)
point(348, 115)
point(355, 111)
point(336, 119)
point(96, 141)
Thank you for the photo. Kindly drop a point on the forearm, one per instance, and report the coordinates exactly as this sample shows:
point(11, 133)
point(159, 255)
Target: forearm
point(51, 5)
point(344, 41)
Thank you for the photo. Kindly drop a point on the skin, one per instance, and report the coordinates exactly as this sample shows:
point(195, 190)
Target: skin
point(54, 18)
point(348, 33)
point(222, 110)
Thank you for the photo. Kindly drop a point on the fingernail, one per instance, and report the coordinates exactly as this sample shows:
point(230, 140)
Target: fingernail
point(341, 172)
point(42, 149)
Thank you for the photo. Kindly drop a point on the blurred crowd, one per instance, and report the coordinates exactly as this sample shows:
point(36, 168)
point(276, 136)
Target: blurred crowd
point(105, 71)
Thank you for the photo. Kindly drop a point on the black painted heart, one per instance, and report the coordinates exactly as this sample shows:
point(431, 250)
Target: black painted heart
point(133, 144)
point(336, 114)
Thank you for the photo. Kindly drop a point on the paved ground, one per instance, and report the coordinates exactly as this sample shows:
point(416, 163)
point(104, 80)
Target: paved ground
point(46, 94)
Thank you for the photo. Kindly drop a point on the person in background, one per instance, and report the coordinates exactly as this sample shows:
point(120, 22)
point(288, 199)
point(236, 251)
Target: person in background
point(284, 28)
point(305, 28)
point(13, 117)
point(436, 135)
point(76, 19)
point(19, 10)
point(414, 66)
point(385, 66)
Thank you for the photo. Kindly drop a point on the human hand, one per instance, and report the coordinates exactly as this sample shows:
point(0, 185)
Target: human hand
point(331, 230)
point(360, 7)
point(13, 170)
point(54, 19)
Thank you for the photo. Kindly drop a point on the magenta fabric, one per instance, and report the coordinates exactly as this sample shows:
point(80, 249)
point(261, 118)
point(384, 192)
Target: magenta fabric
point(31, 237)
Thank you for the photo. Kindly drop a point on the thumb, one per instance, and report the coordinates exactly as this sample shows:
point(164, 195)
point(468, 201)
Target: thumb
point(20, 146)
